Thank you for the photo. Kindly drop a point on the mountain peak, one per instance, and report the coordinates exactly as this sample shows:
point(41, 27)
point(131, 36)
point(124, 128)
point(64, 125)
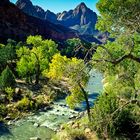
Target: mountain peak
point(24, 3)
point(80, 18)
point(82, 5)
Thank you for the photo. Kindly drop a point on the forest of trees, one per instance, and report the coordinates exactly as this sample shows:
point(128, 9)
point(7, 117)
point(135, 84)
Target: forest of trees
point(116, 113)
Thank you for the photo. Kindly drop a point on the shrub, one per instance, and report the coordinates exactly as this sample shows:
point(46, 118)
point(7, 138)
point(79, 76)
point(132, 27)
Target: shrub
point(10, 92)
point(13, 112)
point(7, 79)
point(112, 119)
point(24, 104)
point(3, 111)
point(41, 101)
point(70, 134)
point(76, 134)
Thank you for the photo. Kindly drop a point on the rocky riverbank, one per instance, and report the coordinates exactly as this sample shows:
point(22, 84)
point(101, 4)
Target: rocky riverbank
point(48, 120)
point(44, 123)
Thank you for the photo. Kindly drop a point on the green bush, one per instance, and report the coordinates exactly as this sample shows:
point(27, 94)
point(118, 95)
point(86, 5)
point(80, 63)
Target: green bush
point(70, 134)
point(41, 101)
point(112, 119)
point(3, 111)
point(7, 79)
point(24, 104)
point(10, 92)
point(76, 134)
point(13, 112)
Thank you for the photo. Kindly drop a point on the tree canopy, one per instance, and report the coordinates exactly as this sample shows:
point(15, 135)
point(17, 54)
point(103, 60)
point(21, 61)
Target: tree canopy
point(36, 59)
point(75, 73)
point(119, 15)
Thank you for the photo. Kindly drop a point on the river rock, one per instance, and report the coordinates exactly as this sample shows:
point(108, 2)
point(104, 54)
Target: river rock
point(36, 124)
point(52, 103)
point(70, 123)
point(87, 131)
point(35, 138)
point(62, 127)
point(17, 90)
point(75, 125)
point(9, 123)
point(7, 118)
point(47, 108)
point(73, 116)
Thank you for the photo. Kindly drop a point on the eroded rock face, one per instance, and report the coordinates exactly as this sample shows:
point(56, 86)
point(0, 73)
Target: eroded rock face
point(81, 15)
point(81, 18)
point(40, 12)
point(17, 25)
point(27, 7)
point(50, 16)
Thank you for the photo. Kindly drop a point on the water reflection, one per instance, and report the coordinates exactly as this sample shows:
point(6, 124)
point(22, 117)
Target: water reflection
point(4, 129)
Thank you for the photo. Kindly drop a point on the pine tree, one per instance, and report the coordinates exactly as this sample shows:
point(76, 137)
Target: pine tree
point(7, 78)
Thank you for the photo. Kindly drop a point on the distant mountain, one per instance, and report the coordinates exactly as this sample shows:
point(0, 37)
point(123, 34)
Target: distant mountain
point(81, 18)
point(51, 16)
point(28, 8)
point(17, 25)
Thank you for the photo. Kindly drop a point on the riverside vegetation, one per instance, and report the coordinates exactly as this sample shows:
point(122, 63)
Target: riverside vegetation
point(30, 72)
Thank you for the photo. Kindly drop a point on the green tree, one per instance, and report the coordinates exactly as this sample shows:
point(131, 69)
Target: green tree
point(75, 73)
point(7, 78)
point(25, 66)
point(119, 61)
point(77, 48)
point(8, 54)
point(119, 15)
point(35, 60)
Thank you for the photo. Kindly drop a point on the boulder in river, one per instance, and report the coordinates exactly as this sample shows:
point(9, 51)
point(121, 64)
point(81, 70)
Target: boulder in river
point(70, 123)
point(35, 138)
point(36, 124)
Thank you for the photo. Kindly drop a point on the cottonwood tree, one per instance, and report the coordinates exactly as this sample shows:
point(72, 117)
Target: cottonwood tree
point(119, 16)
point(34, 60)
point(120, 101)
point(76, 74)
point(119, 61)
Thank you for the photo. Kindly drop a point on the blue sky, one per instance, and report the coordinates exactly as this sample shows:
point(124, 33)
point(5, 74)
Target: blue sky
point(63, 5)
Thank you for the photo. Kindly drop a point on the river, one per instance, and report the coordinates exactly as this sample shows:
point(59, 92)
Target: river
point(44, 123)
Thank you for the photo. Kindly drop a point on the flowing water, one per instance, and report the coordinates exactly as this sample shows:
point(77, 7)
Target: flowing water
point(44, 124)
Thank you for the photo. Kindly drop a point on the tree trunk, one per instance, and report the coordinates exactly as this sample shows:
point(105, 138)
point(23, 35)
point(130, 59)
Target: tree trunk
point(37, 70)
point(37, 74)
point(31, 81)
point(87, 102)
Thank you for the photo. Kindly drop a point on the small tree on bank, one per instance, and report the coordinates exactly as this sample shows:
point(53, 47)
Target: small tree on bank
point(7, 79)
point(75, 74)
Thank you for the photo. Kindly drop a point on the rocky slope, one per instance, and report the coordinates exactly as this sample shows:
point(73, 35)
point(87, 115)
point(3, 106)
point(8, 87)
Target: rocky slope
point(81, 18)
point(17, 25)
